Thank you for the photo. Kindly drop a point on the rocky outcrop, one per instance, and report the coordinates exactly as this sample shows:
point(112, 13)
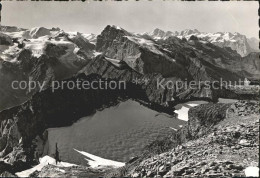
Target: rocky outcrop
point(5, 40)
point(204, 117)
point(6, 170)
point(7, 174)
point(243, 108)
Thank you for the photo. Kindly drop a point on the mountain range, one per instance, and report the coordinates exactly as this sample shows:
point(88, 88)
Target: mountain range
point(44, 55)
point(235, 41)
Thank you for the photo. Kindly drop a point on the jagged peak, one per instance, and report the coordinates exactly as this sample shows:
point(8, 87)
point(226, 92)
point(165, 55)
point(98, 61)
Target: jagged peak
point(189, 32)
point(113, 29)
point(157, 30)
point(117, 27)
point(195, 30)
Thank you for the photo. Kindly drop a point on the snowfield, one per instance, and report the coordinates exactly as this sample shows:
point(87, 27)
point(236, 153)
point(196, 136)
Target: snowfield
point(98, 162)
point(183, 109)
point(43, 162)
point(36, 40)
point(145, 43)
point(93, 161)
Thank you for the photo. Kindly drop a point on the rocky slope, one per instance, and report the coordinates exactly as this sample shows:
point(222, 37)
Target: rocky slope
point(253, 43)
point(162, 96)
point(214, 143)
point(252, 67)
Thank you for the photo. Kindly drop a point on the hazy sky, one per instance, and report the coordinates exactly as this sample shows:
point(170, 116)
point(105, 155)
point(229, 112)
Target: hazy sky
point(92, 17)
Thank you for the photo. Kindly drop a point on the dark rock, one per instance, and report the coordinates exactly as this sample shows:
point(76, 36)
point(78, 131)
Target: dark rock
point(5, 39)
point(7, 174)
point(4, 167)
point(236, 134)
point(194, 38)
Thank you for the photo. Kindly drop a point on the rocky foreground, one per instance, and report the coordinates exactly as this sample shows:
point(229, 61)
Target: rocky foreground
point(231, 146)
point(218, 140)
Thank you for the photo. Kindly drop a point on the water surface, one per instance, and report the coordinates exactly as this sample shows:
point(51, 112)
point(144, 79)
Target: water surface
point(117, 133)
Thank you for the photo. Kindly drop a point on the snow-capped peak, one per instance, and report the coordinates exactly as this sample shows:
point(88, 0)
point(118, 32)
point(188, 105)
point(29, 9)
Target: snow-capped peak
point(235, 41)
point(38, 32)
point(158, 34)
point(189, 32)
point(117, 27)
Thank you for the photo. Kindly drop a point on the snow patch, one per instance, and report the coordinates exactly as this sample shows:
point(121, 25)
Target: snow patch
point(183, 109)
point(43, 162)
point(182, 113)
point(96, 53)
point(145, 43)
point(192, 104)
point(117, 27)
point(252, 171)
point(95, 161)
point(115, 62)
point(173, 129)
point(92, 38)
